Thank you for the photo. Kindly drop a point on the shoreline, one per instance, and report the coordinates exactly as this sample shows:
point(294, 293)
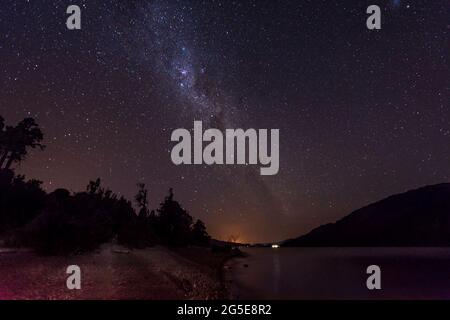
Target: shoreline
point(230, 284)
point(116, 273)
point(216, 262)
point(227, 284)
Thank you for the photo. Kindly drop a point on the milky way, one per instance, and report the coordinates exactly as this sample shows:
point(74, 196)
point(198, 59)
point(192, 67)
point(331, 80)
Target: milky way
point(362, 114)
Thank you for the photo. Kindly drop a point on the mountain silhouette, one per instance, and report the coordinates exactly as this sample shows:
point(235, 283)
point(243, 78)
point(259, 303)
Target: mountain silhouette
point(415, 218)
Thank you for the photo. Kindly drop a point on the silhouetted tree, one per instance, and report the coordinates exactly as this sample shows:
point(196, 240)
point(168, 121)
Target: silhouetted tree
point(144, 230)
point(153, 219)
point(174, 222)
point(2, 136)
point(199, 235)
point(20, 200)
point(3, 142)
point(94, 186)
point(16, 140)
point(142, 201)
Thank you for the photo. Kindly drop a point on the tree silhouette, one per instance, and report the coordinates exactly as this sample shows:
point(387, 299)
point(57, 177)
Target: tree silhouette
point(144, 228)
point(20, 200)
point(14, 141)
point(174, 222)
point(3, 141)
point(199, 235)
point(141, 199)
point(94, 186)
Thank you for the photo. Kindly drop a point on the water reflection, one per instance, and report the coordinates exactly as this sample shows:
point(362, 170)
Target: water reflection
point(340, 273)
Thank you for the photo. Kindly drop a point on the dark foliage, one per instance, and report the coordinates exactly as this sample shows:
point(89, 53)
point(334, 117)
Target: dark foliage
point(199, 235)
point(14, 141)
point(62, 222)
point(78, 222)
point(20, 200)
point(173, 223)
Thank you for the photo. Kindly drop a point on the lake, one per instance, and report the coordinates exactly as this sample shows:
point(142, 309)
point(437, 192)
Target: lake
point(340, 273)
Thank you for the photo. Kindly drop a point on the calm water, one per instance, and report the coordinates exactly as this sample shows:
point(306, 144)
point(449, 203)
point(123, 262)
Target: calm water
point(340, 273)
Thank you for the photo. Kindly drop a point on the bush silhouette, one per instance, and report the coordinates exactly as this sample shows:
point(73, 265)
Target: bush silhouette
point(20, 200)
point(199, 235)
point(78, 222)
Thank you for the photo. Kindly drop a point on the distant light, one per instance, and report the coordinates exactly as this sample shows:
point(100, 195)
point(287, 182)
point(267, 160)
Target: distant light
point(275, 246)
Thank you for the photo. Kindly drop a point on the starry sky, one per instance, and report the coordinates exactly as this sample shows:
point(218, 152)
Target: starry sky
point(362, 114)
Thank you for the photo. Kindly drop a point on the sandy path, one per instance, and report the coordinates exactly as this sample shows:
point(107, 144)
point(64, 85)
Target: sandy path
point(154, 273)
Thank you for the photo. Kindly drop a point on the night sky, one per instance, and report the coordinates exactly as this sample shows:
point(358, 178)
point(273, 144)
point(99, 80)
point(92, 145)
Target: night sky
point(362, 114)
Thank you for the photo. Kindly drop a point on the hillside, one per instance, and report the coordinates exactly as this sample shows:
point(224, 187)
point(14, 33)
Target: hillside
point(416, 218)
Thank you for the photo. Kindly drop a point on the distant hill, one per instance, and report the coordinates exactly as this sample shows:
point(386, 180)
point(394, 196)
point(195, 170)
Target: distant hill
point(416, 218)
